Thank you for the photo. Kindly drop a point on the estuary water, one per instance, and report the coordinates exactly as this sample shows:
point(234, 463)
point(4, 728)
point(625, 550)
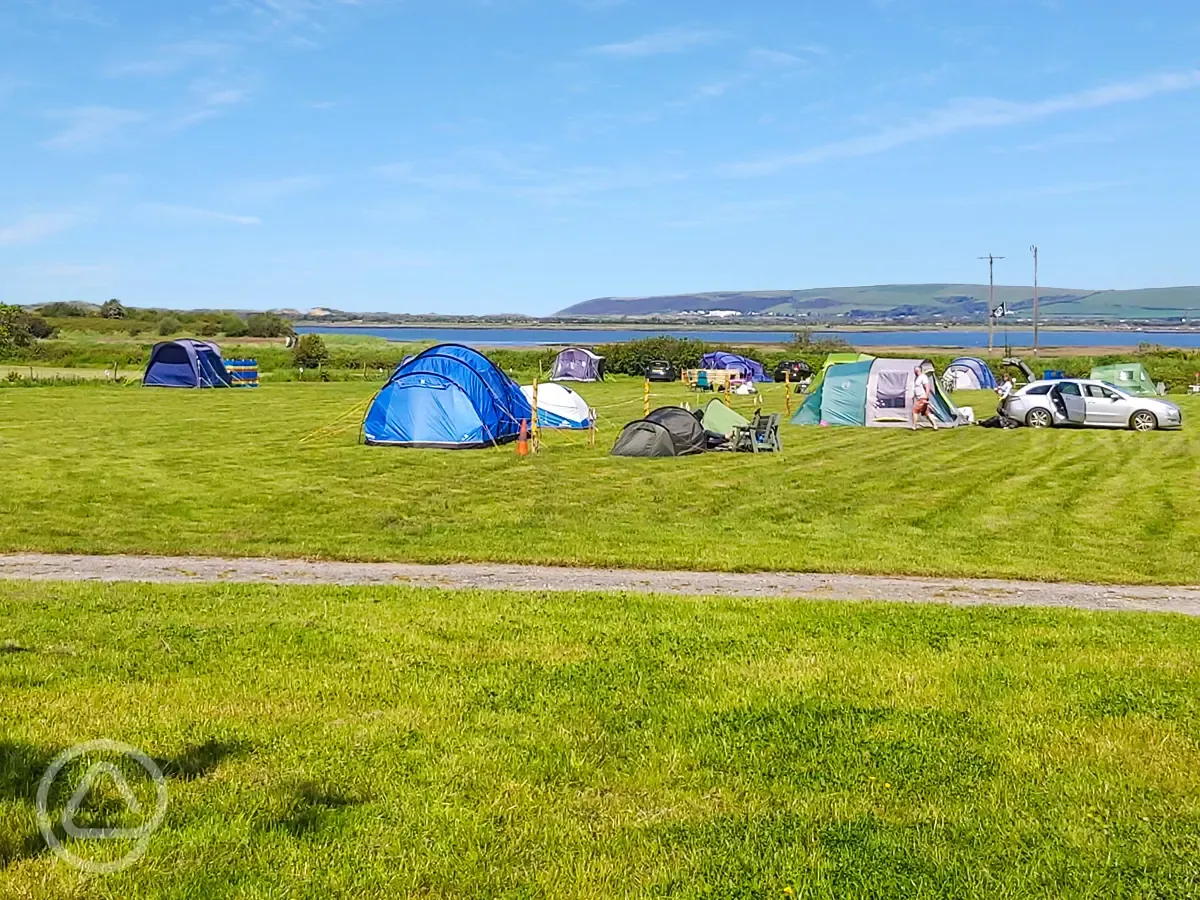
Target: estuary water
point(949, 338)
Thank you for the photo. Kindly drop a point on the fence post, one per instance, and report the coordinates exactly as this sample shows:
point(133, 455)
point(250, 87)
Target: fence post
point(535, 433)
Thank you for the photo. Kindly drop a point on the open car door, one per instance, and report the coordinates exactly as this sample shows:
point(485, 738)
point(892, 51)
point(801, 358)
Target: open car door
point(1069, 402)
point(1020, 366)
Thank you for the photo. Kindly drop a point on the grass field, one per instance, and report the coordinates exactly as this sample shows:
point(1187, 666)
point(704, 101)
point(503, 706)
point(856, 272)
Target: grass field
point(263, 473)
point(407, 743)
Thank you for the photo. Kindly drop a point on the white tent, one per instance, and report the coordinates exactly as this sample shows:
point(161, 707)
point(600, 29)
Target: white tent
point(559, 407)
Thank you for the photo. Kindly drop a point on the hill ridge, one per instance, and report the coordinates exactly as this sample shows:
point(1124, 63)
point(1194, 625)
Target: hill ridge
point(945, 301)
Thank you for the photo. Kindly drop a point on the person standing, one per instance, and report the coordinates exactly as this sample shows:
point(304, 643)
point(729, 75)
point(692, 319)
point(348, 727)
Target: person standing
point(922, 396)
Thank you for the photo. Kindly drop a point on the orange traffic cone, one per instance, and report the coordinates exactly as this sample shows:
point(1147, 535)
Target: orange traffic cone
point(523, 439)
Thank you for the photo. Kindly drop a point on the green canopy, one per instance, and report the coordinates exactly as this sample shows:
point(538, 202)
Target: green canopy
point(720, 419)
point(1130, 377)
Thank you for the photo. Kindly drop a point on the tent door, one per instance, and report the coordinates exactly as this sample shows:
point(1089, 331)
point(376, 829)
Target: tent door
point(1070, 404)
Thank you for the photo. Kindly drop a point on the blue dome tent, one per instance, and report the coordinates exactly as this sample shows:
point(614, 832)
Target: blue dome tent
point(451, 397)
point(968, 373)
point(186, 364)
point(724, 360)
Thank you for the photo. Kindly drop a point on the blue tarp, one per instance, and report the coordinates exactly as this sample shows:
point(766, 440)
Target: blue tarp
point(724, 360)
point(449, 396)
point(186, 363)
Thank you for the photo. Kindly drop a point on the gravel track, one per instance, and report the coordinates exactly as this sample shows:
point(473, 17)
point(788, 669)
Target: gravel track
point(951, 591)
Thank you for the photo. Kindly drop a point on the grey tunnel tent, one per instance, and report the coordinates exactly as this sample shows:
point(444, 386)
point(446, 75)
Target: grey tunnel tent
point(577, 364)
point(668, 431)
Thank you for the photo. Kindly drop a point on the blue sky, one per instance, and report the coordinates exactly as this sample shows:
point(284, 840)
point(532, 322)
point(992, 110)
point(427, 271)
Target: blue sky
point(478, 156)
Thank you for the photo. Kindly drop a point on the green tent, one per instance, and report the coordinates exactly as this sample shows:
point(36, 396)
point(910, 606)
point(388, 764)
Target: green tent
point(835, 359)
point(1129, 377)
point(874, 392)
point(720, 419)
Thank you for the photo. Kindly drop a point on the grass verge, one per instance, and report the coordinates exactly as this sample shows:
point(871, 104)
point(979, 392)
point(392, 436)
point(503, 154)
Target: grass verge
point(415, 743)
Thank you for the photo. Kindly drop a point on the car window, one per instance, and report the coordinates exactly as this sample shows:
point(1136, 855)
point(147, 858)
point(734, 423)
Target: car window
point(1038, 389)
point(1069, 387)
point(1094, 390)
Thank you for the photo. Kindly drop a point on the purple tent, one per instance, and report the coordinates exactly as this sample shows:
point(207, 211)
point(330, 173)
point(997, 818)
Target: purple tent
point(577, 364)
point(723, 360)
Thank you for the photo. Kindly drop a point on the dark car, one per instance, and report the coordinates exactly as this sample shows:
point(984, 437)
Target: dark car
point(661, 370)
point(795, 370)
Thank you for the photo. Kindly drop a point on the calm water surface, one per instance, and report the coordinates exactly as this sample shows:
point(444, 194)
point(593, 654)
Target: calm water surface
point(533, 337)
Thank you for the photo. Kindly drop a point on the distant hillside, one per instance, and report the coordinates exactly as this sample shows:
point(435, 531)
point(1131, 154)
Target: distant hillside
point(946, 302)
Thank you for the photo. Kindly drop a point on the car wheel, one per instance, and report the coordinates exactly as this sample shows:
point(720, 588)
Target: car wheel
point(1143, 420)
point(1039, 418)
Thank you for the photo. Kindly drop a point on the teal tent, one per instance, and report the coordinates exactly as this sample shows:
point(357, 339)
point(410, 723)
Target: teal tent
point(875, 393)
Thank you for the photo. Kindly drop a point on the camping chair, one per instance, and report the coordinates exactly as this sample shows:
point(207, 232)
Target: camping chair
point(760, 436)
point(702, 381)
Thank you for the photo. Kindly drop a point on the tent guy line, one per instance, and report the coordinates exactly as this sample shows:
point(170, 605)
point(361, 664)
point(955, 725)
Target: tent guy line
point(947, 591)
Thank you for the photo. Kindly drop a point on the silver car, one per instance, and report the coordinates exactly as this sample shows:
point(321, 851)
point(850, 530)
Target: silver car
point(1089, 403)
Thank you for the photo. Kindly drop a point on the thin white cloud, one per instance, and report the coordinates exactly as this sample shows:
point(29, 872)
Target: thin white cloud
point(970, 115)
point(659, 43)
point(36, 227)
point(93, 127)
point(209, 100)
point(744, 212)
point(171, 58)
point(266, 190)
point(176, 213)
point(407, 173)
point(9, 86)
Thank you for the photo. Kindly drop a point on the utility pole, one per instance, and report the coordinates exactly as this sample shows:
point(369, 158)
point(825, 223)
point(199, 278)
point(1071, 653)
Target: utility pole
point(991, 298)
point(1035, 299)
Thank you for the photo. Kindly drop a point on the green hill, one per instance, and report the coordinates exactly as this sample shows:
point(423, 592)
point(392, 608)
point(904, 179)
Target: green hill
point(921, 302)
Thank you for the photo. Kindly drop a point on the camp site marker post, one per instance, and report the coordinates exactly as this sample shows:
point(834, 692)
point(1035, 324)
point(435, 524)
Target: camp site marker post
point(592, 427)
point(534, 422)
point(728, 382)
point(787, 386)
point(646, 397)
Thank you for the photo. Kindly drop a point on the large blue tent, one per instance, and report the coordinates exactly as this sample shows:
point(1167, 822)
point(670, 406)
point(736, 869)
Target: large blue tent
point(187, 364)
point(722, 359)
point(450, 396)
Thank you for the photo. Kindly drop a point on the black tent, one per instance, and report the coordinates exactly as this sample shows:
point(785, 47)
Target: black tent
point(642, 438)
point(668, 431)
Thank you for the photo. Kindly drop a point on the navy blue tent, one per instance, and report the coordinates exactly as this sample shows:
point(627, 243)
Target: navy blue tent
point(724, 360)
point(450, 396)
point(188, 364)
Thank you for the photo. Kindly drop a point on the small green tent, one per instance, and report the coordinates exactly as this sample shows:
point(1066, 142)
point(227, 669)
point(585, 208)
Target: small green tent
point(720, 419)
point(1129, 377)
